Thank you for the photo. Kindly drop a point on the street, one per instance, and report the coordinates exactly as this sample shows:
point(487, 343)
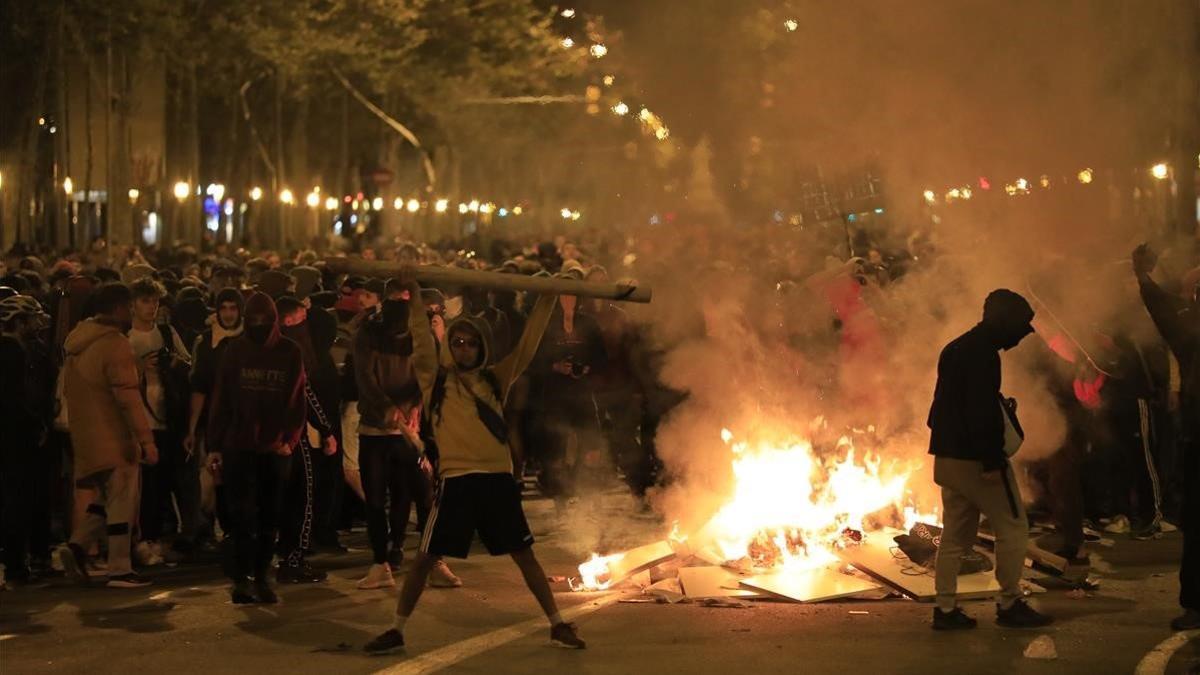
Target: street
point(186, 622)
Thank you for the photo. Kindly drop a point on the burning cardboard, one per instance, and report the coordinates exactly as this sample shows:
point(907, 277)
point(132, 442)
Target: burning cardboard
point(603, 572)
point(879, 557)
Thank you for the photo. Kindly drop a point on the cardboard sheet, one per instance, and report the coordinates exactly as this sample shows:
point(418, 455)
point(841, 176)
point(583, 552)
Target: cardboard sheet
point(817, 585)
point(638, 559)
point(879, 557)
point(712, 582)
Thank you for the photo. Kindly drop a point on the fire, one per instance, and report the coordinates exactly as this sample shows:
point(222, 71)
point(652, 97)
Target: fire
point(792, 506)
point(594, 574)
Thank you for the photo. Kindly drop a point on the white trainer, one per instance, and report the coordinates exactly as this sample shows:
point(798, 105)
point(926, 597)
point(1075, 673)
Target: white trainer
point(378, 576)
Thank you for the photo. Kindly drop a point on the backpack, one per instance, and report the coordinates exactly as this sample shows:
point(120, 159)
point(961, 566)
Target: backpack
point(491, 419)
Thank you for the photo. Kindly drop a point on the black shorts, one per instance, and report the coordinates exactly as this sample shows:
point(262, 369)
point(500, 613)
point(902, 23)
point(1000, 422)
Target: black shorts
point(488, 503)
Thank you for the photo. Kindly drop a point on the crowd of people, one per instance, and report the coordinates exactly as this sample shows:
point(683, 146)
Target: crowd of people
point(178, 406)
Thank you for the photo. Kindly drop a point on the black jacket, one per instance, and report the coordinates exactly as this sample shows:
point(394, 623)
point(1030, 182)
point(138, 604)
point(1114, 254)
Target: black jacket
point(1180, 327)
point(965, 419)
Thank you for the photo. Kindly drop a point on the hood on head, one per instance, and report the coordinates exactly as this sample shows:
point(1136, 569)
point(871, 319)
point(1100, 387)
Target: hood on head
point(87, 332)
point(485, 337)
point(191, 313)
point(259, 306)
point(308, 280)
point(1008, 316)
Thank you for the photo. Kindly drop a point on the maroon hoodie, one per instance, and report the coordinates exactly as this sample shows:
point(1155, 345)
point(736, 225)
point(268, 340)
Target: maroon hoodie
point(258, 398)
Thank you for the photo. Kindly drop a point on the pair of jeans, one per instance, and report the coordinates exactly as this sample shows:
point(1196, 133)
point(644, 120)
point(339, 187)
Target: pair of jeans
point(254, 484)
point(176, 474)
point(390, 467)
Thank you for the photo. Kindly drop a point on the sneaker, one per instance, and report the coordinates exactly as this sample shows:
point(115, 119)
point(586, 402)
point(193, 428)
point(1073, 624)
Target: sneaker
point(1166, 527)
point(75, 563)
point(264, 593)
point(1118, 525)
point(300, 574)
point(442, 577)
point(389, 642)
point(395, 557)
point(1189, 620)
point(144, 554)
point(955, 619)
point(564, 635)
point(378, 576)
point(130, 580)
point(242, 593)
point(97, 567)
point(1151, 530)
point(1021, 615)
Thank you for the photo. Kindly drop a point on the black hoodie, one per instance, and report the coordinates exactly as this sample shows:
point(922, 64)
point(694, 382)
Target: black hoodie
point(965, 420)
point(258, 399)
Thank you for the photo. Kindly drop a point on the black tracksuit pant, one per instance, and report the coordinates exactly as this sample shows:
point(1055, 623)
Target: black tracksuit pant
point(389, 466)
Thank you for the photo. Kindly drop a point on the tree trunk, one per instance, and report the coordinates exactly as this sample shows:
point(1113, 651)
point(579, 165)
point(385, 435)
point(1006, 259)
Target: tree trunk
point(120, 213)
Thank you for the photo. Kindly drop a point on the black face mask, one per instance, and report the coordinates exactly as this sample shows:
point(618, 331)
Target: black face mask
point(395, 316)
point(259, 333)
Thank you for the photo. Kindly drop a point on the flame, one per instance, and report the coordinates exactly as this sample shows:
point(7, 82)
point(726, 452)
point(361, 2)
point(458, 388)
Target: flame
point(594, 574)
point(791, 507)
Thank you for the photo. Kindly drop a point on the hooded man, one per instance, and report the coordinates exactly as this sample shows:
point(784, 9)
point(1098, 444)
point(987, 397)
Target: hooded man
point(968, 426)
point(464, 397)
point(25, 471)
point(110, 434)
point(255, 421)
point(296, 532)
point(1178, 320)
point(225, 324)
point(393, 469)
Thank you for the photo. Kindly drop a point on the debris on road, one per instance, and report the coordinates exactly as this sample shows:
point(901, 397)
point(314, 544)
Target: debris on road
point(1042, 647)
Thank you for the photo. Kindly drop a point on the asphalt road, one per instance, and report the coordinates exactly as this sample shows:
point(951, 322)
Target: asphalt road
point(185, 622)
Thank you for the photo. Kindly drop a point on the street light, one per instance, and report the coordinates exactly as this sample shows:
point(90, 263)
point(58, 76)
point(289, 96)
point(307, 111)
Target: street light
point(256, 193)
point(68, 186)
point(286, 196)
point(441, 205)
point(182, 190)
point(621, 108)
point(377, 203)
point(598, 50)
point(1159, 171)
point(216, 191)
point(313, 199)
point(331, 203)
point(134, 193)
point(398, 203)
point(413, 206)
point(565, 213)
point(1085, 176)
point(473, 206)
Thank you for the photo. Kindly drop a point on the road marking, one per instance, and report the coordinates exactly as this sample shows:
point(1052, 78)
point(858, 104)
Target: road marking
point(431, 662)
point(1155, 661)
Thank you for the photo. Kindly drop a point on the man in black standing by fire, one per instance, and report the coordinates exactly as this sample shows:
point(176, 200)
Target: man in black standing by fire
point(967, 424)
point(1179, 322)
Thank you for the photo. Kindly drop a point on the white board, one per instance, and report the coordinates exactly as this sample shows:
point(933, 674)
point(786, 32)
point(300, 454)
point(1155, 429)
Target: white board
point(638, 559)
point(712, 582)
point(816, 585)
point(879, 556)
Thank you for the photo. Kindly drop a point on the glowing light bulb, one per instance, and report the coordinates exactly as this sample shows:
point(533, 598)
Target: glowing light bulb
point(791, 25)
point(1085, 176)
point(397, 203)
point(930, 196)
point(567, 43)
point(286, 196)
point(567, 13)
point(182, 190)
point(565, 213)
point(1022, 184)
point(474, 206)
point(621, 109)
point(598, 50)
point(413, 205)
point(134, 193)
point(68, 185)
point(216, 191)
point(256, 193)
point(377, 203)
point(462, 207)
point(441, 205)
point(517, 210)
point(608, 80)
point(331, 203)
point(662, 133)
point(313, 200)
point(1159, 171)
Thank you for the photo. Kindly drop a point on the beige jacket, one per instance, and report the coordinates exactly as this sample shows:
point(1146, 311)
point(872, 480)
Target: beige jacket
point(108, 423)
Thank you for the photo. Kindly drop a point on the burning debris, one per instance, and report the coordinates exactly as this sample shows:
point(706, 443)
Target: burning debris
point(798, 525)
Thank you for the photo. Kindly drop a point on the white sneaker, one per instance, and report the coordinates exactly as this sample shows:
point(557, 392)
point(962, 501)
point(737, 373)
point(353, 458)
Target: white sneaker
point(145, 555)
point(378, 576)
point(1118, 525)
point(1164, 526)
point(442, 577)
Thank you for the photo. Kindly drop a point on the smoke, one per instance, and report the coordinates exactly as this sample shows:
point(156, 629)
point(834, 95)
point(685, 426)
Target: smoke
point(936, 96)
